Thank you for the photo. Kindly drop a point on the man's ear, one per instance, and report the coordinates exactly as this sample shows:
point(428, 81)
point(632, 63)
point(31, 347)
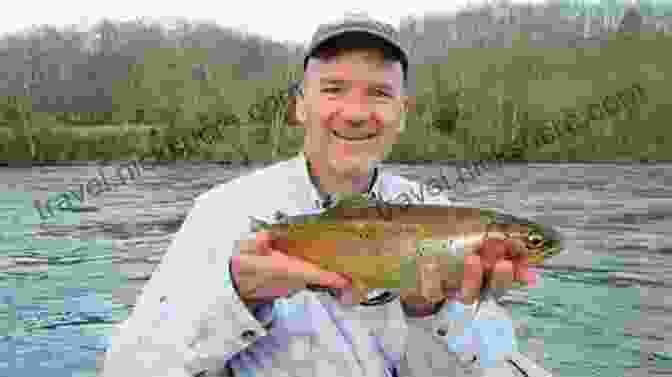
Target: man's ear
point(410, 104)
point(300, 110)
point(295, 94)
point(293, 118)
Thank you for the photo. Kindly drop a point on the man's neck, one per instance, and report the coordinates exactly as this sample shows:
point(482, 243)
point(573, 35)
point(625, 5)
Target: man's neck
point(330, 183)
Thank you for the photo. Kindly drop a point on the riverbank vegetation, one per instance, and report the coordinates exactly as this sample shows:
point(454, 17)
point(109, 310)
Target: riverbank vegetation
point(468, 100)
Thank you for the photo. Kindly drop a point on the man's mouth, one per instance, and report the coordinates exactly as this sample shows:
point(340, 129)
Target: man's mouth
point(353, 138)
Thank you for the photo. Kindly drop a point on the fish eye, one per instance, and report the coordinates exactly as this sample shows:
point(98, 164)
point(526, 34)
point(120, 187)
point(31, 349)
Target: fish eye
point(535, 238)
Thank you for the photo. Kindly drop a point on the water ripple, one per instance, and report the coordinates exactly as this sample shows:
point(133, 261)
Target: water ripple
point(590, 309)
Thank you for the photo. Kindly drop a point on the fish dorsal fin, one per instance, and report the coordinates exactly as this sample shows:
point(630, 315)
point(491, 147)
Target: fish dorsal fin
point(342, 200)
point(257, 225)
point(356, 200)
point(488, 216)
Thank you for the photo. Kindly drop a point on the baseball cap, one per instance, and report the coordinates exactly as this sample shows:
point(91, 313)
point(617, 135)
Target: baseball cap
point(358, 28)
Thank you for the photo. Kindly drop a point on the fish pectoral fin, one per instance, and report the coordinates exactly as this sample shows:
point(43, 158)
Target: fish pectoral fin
point(359, 290)
point(408, 278)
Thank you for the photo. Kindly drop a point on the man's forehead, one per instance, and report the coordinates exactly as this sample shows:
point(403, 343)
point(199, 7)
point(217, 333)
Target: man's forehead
point(336, 66)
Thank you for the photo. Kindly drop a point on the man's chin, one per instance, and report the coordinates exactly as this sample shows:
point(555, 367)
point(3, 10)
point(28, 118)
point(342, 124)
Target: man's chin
point(355, 166)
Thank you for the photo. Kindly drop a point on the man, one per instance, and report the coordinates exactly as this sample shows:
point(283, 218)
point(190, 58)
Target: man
point(210, 311)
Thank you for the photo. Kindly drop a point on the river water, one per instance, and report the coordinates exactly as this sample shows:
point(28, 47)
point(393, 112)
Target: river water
point(604, 308)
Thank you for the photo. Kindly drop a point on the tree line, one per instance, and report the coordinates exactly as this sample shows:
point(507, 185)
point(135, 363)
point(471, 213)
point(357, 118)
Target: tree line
point(144, 74)
point(69, 70)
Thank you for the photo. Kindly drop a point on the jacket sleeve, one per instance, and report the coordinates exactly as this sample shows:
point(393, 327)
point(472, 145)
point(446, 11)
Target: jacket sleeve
point(438, 345)
point(188, 318)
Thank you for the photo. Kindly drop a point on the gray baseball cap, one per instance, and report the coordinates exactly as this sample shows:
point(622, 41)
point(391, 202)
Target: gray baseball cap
point(358, 28)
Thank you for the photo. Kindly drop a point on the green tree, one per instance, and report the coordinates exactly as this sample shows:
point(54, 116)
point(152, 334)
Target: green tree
point(163, 81)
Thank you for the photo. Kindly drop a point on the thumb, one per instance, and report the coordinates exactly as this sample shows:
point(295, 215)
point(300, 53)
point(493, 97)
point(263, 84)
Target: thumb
point(263, 241)
point(354, 294)
point(473, 279)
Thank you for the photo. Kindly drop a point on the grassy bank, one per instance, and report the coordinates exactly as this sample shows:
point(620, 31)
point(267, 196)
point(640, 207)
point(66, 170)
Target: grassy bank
point(478, 101)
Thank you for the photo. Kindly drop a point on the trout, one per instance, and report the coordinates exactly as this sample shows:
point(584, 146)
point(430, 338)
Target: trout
point(378, 245)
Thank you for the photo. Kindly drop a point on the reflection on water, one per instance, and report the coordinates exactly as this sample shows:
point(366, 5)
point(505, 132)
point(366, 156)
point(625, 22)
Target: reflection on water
point(601, 309)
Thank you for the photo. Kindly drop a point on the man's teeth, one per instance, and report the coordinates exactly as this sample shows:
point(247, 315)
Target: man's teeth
point(353, 138)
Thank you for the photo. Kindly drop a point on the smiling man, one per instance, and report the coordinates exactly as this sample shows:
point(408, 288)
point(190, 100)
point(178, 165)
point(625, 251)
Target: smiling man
point(209, 310)
point(353, 107)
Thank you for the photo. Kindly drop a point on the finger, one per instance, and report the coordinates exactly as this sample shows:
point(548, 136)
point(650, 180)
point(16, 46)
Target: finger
point(473, 278)
point(281, 267)
point(493, 250)
point(235, 267)
point(523, 274)
point(274, 275)
point(451, 272)
point(518, 248)
point(532, 279)
point(353, 295)
point(520, 269)
point(502, 276)
point(250, 280)
point(346, 297)
point(260, 245)
point(263, 242)
point(246, 246)
point(297, 269)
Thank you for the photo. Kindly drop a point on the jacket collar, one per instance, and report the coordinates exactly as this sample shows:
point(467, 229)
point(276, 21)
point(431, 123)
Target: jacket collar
point(320, 198)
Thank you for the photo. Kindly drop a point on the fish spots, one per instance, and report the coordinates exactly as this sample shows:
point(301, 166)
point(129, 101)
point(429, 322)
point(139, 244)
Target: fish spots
point(348, 231)
point(368, 231)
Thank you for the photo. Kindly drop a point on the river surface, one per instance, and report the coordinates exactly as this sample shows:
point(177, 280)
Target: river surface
point(604, 308)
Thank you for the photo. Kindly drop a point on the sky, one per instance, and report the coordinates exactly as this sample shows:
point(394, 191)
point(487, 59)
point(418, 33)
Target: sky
point(282, 21)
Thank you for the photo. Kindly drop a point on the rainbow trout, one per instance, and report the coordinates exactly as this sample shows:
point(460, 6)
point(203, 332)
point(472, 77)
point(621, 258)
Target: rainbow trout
point(378, 245)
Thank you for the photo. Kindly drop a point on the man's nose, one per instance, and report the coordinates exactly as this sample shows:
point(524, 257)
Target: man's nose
point(356, 113)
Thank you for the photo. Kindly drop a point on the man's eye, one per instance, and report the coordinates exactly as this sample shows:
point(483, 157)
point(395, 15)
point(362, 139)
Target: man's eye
point(330, 90)
point(381, 93)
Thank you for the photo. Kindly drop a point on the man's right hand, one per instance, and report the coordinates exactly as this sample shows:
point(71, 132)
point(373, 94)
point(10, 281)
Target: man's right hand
point(262, 273)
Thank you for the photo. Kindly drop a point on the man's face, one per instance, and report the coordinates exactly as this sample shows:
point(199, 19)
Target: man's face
point(352, 111)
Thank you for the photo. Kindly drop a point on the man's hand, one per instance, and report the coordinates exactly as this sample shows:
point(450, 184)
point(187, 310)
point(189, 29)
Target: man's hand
point(263, 274)
point(433, 288)
point(496, 261)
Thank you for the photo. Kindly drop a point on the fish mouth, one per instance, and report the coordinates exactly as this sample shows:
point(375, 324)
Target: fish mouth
point(542, 241)
point(548, 242)
point(355, 139)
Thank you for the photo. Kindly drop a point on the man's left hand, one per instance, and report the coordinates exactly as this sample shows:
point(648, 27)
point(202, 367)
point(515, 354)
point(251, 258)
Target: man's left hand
point(493, 260)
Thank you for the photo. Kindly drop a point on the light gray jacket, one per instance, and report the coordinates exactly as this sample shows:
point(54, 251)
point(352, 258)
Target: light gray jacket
point(189, 320)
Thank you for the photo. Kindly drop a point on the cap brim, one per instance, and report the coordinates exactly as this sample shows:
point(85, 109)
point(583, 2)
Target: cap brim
point(316, 45)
